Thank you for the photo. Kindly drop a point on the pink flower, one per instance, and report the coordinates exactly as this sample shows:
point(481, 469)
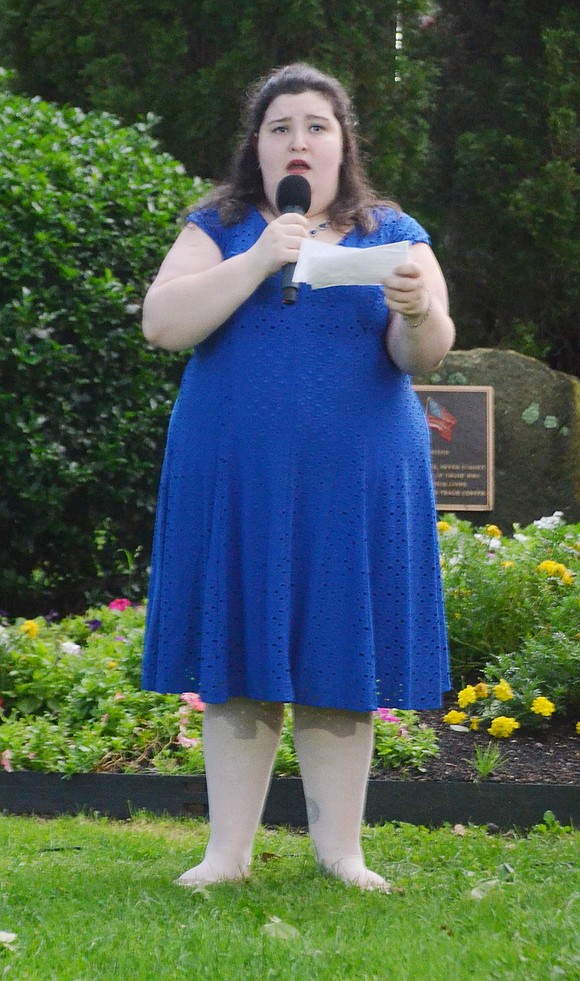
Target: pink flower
point(119, 604)
point(386, 715)
point(187, 742)
point(5, 760)
point(119, 696)
point(192, 699)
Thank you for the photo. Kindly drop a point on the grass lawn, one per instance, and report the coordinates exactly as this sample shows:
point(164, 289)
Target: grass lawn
point(91, 898)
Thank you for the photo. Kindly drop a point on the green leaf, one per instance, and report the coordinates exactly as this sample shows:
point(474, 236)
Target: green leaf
point(484, 889)
point(279, 930)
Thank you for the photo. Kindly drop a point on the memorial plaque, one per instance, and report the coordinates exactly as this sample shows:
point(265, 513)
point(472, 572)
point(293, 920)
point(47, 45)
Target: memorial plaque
point(460, 420)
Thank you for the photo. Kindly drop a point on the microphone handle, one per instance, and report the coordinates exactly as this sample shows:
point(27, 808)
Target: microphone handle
point(290, 291)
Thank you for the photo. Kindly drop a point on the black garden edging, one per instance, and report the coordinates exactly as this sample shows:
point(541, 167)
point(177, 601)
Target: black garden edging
point(431, 803)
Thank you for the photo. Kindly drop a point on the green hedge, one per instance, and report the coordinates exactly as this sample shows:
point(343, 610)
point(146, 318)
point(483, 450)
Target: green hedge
point(88, 208)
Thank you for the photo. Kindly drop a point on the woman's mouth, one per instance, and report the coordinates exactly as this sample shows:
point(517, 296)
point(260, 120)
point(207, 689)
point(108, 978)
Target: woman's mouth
point(297, 166)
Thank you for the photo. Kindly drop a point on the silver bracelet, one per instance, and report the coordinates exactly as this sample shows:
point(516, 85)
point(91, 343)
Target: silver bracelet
point(417, 323)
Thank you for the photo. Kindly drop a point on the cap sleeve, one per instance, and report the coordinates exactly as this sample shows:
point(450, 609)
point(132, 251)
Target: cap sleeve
point(397, 226)
point(209, 221)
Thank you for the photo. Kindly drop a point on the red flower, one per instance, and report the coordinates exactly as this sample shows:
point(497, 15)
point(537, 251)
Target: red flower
point(192, 699)
point(119, 604)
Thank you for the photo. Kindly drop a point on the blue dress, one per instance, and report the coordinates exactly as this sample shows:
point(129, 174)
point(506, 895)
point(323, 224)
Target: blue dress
point(295, 553)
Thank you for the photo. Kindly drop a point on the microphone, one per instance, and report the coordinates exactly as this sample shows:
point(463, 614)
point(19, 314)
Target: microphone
point(292, 195)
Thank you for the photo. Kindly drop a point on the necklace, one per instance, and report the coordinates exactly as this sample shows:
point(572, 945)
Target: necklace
point(319, 228)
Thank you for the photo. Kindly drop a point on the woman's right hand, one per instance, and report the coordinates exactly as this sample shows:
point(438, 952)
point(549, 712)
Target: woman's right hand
point(196, 290)
point(279, 243)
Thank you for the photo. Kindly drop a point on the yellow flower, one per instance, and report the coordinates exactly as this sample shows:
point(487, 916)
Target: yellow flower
point(31, 628)
point(578, 728)
point(482, 690)
point(503, 726)
point(503, 691)
point(548, 566)
point(493, 531)
point(556, 571)
point(454, 718)
point(467, 696)
point(112, 664)
point(474, 724)
point(508, 564)
point(543, 706)
point(443, 526)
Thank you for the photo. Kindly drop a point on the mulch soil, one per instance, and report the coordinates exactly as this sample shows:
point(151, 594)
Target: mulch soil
point(550, 756)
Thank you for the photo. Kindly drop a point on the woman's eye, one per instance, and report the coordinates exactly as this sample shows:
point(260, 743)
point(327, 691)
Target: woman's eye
point(280, 129)
point(317, 128)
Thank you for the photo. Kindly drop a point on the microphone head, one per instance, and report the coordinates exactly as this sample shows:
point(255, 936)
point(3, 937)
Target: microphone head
point(293, 194)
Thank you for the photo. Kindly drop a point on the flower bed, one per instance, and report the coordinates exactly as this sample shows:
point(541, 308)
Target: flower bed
point(513, 609)
point(70, 688)
point(71, 703)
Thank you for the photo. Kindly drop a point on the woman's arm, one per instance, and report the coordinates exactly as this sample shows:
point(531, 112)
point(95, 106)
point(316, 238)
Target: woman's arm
point(196, 290)
point(420, 332)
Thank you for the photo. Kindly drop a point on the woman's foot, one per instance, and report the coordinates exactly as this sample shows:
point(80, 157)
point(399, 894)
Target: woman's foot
point(210, 871)
point(355, 873)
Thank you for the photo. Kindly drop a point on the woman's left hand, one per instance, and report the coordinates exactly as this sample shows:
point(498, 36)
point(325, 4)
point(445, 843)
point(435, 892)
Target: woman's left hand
point(421, 332)
point(406, 291)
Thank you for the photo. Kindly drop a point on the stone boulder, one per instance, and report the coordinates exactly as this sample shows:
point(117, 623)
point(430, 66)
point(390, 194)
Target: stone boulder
point(537, 433)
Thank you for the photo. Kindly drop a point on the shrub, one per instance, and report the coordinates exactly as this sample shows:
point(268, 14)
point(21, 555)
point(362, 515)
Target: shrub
point(506, 594)
point(88, 208)
point(548, 665)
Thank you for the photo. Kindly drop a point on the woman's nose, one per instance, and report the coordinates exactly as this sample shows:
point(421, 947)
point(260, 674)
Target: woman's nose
point(298, 139)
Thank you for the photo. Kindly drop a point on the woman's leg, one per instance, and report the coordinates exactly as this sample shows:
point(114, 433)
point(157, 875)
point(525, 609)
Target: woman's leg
point(240, 739)
point(334, 748)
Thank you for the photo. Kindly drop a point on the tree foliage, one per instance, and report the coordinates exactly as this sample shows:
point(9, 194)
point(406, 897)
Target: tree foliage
point(190, 64)
point(87, 209)
point(504, 138)
point(488, 160)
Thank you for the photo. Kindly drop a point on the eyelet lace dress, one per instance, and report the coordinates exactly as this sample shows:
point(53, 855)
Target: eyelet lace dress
point(295, 554)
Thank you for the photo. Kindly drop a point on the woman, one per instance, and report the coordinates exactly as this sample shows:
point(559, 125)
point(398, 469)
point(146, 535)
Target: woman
point(295, 555)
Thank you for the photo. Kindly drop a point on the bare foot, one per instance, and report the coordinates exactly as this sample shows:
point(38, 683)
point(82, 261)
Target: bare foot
point(355, 873)
point(210, 871)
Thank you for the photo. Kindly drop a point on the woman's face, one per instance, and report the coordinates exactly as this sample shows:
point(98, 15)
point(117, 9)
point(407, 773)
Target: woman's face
point(301, 135)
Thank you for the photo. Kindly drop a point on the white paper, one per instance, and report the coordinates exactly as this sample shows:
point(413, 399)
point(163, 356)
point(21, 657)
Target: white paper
point(322, 265)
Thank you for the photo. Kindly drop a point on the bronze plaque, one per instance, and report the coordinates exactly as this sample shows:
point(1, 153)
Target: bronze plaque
point(460, 420)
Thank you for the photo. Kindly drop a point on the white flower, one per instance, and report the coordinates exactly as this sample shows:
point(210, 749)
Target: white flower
point(68, 647)
point(519, 537)
point(4, 637)
point(549, 523)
